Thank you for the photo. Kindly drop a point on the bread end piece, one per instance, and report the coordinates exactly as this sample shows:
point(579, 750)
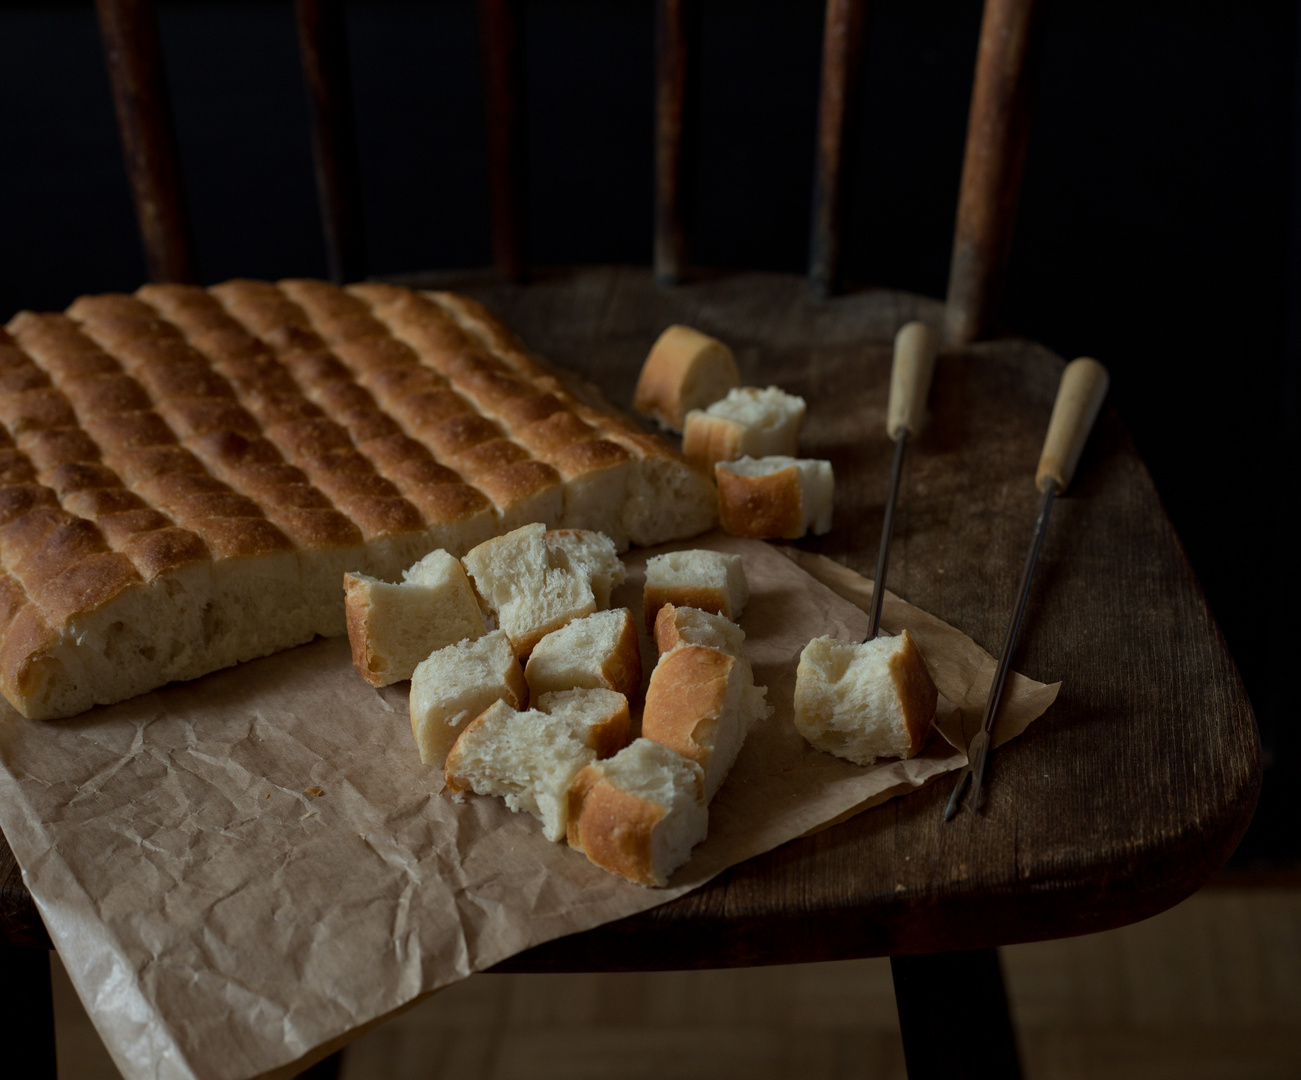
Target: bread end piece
point(864, 701)
point(639, 814)
point(775, 497)
point(684, 370)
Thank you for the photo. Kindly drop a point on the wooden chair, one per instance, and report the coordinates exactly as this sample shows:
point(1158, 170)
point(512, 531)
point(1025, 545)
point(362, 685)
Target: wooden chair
point(1123, 800)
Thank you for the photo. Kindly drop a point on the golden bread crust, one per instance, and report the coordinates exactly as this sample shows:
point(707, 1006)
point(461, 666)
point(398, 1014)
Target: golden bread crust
point(612, 827)
point(679, 361)
point(917, 692)
point(764, 507)
point(685, 699)
point(710, 439)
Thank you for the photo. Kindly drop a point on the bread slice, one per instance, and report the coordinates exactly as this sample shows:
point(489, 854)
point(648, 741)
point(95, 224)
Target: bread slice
point(774, 497)
point(708, 580)
point(532, 588)
point(599, 650)
point(684, 370)
point(591, 554)
point(748, 422)
point(640, 813)
point(701, 704)
point(392, 628)
point(455, 684)
point(531, 758)
point(677, 626)
point(864, 701)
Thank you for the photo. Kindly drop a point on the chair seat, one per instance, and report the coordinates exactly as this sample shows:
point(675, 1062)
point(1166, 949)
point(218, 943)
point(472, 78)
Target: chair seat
point(1124, 798)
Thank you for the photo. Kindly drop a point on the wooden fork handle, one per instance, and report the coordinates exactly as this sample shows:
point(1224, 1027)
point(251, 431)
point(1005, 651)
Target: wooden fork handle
point(910, 378)
point(1079, 397)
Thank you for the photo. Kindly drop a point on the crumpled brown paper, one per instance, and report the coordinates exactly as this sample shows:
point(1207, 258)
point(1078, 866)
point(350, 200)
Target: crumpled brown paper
point(242, 871)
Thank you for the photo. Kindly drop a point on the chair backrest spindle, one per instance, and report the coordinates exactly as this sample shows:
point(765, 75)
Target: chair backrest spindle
point(144, 115)
point(842, 51)
point(503, 68)
point(672, 56)
point(998, 129)
point(322, 39)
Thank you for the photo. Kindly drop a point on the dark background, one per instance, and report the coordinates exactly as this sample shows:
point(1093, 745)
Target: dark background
point(1158, 229)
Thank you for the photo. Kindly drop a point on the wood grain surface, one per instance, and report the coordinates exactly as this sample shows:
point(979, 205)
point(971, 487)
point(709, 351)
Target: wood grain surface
point(1124, 798)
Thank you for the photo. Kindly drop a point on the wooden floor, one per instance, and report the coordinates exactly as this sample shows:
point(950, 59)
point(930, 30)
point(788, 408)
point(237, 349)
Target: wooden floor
point(1210, 989)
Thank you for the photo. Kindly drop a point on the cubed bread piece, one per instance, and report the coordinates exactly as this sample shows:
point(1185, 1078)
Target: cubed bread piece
point(600, 716)
point(640, 813)
point(592, 555)
point(684, 370)
point(708, 580)
point(531, 588)
point(391, 628)
point(530, 758)
point(864, 701)
point(677, 626)
point(701, 704)
point(774, 497)
point(456, 684)
point(598, 650)
point(748, 422)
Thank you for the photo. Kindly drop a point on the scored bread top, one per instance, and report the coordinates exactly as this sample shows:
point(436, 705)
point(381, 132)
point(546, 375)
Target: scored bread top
point(188, 472)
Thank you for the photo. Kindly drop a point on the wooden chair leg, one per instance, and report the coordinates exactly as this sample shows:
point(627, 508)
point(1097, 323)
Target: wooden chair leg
point(27, 1010)
point(953, 1016)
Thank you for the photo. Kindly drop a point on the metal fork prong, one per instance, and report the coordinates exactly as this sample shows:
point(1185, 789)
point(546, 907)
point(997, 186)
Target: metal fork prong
point(955, 800)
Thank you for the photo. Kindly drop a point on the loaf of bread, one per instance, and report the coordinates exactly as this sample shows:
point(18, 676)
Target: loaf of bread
point(701, 703)
point(188, 473)
point(531, 758)
point(708, 580)
point(596, 651)
point(684, 370)
point(749, 422)
point(639, 813)
point(864, 701)
point(455, 684)
point(392, 628)
point(774, 497)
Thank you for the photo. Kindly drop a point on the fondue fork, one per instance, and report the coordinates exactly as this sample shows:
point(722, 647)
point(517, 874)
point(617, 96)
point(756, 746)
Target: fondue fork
point(1079, 397)
point(910, 382)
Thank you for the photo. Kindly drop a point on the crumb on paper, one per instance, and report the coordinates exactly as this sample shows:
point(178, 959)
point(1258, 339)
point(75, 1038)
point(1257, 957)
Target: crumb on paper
point(314, 791)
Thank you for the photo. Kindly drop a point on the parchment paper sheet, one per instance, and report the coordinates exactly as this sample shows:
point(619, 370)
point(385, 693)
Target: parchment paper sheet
point(241, 870)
